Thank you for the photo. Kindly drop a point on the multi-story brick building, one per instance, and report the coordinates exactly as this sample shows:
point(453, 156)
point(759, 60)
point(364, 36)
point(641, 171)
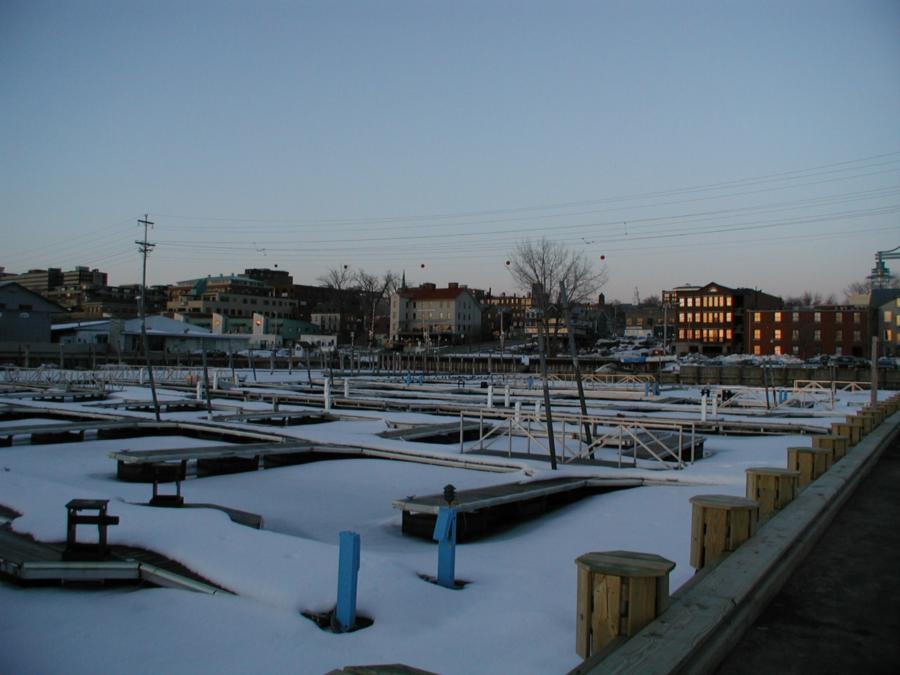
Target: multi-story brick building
point(511, 312)
point(711, 319)
point(809, 331)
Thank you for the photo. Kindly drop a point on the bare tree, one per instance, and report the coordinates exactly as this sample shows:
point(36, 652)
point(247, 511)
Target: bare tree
point(339, 280)
point(810, 299)
point(544, 268)
point(375, 289)
point(863, 287)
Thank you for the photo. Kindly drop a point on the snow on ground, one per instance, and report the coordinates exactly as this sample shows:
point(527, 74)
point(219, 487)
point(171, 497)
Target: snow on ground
point(516, 615)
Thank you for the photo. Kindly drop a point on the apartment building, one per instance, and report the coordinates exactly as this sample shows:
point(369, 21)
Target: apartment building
point(433, 314)
point(230, 296)
point(711, 319)
point(809, 331)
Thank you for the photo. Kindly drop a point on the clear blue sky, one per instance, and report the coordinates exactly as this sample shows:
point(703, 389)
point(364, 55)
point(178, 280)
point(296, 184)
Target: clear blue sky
point(748, 143)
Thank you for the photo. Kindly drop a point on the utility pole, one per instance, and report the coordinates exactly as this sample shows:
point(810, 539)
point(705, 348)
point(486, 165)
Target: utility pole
point(145, 247)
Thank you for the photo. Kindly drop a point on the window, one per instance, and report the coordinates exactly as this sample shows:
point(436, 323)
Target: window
point(777, 317)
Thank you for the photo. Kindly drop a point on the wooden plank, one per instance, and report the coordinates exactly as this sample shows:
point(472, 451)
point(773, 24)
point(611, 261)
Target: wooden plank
point(584, 608)
point(606, 615)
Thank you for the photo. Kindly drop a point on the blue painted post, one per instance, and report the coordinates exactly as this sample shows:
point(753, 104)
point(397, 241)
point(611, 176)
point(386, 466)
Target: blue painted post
point(445, 535)
point(348, 571)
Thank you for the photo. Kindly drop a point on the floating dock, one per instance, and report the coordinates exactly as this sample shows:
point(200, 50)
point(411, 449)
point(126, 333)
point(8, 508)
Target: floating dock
point(482, 511)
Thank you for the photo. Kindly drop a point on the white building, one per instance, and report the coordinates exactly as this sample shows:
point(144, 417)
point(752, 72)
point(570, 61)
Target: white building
point(432, 314)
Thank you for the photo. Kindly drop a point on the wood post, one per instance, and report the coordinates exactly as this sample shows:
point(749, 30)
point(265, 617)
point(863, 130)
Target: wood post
point(837, 444)
point(619, 592)
point(864, 422)
point(851, 431)
point(810, 462)
point(719, 524)
point(771, 488)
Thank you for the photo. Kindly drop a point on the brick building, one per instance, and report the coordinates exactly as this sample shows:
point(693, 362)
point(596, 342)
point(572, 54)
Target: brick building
point(809, 331)
point(711, 319)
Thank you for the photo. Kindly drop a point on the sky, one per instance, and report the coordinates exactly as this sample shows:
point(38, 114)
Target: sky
point(750, 144)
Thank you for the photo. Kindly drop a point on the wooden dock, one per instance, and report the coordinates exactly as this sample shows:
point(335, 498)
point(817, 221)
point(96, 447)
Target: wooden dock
point(26, 561)
point(482, 511)
point(435, 433)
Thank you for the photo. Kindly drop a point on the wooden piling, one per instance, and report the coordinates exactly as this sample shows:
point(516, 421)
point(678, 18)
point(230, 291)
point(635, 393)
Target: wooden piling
point(619, 592)
point(851, 431)
point(810, 462)
point(719, 524)
point(864, 422)
point(771, 488)
point(837, 444)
